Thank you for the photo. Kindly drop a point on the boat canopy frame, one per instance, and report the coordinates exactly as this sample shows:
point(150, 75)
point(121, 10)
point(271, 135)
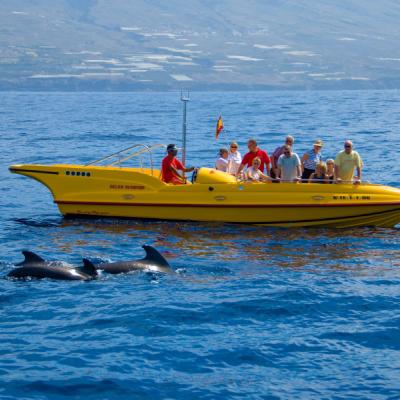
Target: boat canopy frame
point(119, 157)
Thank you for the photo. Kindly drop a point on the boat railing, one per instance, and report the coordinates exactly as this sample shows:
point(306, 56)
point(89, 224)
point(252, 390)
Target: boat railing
point(334, 181)
point(119, 157)
point(278, 180)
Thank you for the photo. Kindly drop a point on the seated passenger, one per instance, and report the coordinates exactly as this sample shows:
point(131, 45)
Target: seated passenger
point(289, 165)
point(171, 166)
point(320, 175)
point(254, 173)
point(222, 163)
point(330, 164)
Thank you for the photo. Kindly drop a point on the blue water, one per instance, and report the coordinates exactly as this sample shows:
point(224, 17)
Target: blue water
point(253, 312)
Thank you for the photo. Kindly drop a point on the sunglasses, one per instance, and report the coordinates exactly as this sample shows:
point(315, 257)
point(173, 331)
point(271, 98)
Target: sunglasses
point(234, 147)
point(347, 146)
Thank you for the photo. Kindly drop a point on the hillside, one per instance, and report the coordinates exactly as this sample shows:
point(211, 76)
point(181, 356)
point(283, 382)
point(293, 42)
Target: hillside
point(229, 44)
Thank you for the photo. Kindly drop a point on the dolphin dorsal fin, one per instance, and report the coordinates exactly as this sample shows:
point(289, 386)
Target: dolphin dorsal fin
point(88, 267)
point(31, 257)
point(153, 255)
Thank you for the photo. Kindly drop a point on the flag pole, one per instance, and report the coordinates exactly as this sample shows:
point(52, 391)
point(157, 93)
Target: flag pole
point(184, 99)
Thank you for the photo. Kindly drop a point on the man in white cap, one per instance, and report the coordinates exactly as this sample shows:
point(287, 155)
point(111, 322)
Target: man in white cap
point(346, 161)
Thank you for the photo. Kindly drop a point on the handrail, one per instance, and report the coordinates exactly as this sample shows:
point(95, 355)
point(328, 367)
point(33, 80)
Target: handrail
point(119, 154)
point(278, 180)
point(334, 181)
point(138, 153)
point(111, 155)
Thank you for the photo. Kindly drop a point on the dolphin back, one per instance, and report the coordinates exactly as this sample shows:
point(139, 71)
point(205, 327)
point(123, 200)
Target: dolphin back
point(153, 256)
point(88, 268)
point(44, 271)
point(30, 257)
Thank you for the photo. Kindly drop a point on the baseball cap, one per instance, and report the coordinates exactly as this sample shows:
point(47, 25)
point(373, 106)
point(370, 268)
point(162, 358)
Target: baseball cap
point(172, 147)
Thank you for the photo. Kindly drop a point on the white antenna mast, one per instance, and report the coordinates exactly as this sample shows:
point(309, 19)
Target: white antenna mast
point(184, 99)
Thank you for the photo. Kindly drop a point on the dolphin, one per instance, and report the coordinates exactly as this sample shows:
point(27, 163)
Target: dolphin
point(153, 262)
point(35, 266)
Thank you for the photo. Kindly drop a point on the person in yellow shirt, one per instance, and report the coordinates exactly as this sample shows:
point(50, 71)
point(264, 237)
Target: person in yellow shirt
point(346, 161)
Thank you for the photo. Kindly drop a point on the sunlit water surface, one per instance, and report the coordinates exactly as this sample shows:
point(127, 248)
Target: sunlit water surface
point(252, 312)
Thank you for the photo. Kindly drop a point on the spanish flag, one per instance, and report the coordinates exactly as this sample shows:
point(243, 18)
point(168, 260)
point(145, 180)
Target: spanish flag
point(220, 126)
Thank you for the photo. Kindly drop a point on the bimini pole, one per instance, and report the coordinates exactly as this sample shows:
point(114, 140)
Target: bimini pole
point(184, 99)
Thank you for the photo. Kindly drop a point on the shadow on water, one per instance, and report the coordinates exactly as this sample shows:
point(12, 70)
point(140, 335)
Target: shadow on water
point(41, 223)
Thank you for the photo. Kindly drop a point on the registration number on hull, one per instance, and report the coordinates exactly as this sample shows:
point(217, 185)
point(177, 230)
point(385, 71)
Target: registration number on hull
point(351, 197)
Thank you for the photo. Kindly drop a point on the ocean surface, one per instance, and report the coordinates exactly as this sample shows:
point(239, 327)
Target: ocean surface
point(252, 312)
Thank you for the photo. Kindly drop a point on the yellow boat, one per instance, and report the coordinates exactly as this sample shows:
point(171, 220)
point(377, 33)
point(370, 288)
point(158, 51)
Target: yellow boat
point(115, 191)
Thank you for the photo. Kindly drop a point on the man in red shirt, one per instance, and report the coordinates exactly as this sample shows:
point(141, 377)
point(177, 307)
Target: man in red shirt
point(171, 166)
point(255, 151)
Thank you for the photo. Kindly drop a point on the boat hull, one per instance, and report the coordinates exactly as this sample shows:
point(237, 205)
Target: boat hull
point(276, 216)
point(133, 193)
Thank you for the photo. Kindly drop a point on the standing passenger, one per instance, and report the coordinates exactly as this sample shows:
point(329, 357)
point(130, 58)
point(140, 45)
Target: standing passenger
point(171, 166)
point(310, 159)
point(289, 165)
point(222, 162)
point(277, 153)
point(234, 159)
point(346, 161)
point(254, 152)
